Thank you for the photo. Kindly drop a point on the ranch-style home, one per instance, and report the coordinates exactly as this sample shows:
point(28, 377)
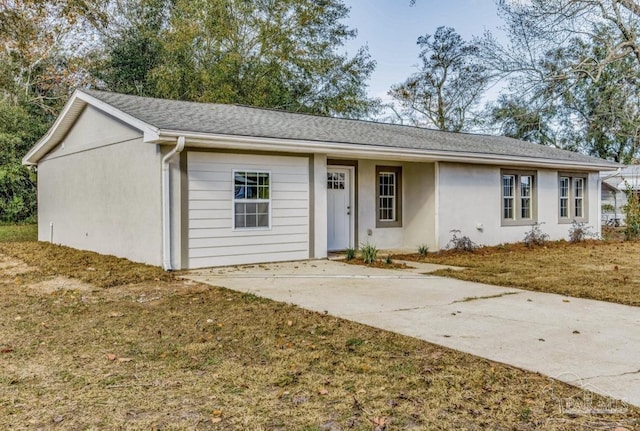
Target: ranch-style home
point(190, 185)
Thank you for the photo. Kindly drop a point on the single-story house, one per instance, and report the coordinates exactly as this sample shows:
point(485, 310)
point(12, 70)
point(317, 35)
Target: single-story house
point(189, 185)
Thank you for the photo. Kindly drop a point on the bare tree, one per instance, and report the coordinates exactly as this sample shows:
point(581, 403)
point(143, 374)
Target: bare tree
point(448, 85)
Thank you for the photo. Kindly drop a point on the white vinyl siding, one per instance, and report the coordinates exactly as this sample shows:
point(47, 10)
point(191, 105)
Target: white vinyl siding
point(213, 241)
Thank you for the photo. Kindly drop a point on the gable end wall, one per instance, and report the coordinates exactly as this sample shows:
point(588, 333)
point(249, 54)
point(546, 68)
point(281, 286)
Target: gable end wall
point(102, 191)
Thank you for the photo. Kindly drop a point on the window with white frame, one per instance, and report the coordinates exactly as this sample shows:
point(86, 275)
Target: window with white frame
point(251, 199)
point(564, 196)
point(518, 197)
point(572, 197)
point(388, 196)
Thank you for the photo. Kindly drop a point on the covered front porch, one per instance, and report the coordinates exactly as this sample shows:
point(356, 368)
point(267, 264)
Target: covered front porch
point(389, 204)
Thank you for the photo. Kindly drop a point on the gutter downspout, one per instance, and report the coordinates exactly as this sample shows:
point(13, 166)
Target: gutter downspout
point(166, 204)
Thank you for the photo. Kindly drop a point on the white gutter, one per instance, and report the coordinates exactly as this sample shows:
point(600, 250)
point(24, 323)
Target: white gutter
point(166, 204)
point(368, 151)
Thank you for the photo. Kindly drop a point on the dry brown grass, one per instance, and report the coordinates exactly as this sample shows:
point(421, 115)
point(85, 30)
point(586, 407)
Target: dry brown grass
point(172, 354)
point(606, 271)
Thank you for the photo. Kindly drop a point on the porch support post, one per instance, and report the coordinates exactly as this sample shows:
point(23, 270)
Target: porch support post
point(319, 211)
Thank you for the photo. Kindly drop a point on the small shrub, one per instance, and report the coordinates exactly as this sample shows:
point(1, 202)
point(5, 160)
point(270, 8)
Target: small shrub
point(580, 232)
point(369, 253)
point(608, 208)
point(461, 242)
point(535, 236)
point(423, 250)
point(350, 253)
point(388, 260)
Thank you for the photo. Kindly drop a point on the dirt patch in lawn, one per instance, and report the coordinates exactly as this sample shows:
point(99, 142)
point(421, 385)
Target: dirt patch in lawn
point(99, 270)
point(605, 271)
point(173, 354)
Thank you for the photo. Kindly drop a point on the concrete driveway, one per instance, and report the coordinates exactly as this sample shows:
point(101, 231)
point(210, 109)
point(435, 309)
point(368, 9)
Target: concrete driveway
point(590, 344)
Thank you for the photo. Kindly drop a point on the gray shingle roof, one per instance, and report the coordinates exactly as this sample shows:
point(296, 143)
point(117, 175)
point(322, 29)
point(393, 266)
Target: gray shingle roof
point(255, 122)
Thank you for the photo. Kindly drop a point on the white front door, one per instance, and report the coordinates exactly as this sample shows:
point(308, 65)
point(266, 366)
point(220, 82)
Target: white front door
point(339, 208)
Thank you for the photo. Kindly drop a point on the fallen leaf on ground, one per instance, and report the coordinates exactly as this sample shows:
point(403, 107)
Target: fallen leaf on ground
point(380, 420)
point(125, 359)
point(323, 391)
point(111, 357)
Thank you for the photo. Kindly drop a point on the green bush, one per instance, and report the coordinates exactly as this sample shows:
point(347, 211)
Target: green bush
point(423, 250)
point(350, 253)
point(369, 253)
point(632, 214)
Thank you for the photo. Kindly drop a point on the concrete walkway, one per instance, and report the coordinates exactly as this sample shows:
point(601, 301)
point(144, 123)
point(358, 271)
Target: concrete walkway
point(590, 344)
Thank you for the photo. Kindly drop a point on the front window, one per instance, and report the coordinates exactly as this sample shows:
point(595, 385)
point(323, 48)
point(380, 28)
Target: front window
point(518, 197)
point(578, 200)
point(251, 199)
point(388, 196)
point(508, 196)
point(564, 197)
point(572, 197)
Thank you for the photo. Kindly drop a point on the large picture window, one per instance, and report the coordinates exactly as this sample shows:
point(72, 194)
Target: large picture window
point(388, 196)
point(518, 197)
point(251, 199)
point(572, 197)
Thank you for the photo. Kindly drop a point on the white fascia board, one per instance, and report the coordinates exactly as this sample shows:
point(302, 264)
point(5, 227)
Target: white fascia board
point(43, 145)
point(72, 109)
point(359, 151)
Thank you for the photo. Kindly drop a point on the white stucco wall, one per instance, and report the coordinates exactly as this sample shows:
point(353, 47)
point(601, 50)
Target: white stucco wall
point(418, 207)
point(100, 189)
point(470, 195)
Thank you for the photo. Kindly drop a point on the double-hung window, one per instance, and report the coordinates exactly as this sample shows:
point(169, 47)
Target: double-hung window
point(388, 196)
point(572, 193)
point(251, 200)
point(518, 197)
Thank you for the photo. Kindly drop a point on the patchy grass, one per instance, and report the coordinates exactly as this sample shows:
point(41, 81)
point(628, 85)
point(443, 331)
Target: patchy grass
point(605, 271)
point(171, 354)
point(15, 233)
point(100, 270)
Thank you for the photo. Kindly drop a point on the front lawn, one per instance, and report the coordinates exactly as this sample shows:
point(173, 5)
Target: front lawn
point(95, 342)
point(22, 232)
point(602, 270)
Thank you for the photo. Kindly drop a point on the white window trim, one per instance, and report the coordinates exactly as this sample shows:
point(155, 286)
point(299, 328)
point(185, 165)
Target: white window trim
point(393, 197)
point(573, 176)
point(398, 198)
point(234, 201)
point(517, 220)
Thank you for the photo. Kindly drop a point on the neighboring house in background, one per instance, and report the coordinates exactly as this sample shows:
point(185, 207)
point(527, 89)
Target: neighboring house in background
point(614, 197)
point(190, 185)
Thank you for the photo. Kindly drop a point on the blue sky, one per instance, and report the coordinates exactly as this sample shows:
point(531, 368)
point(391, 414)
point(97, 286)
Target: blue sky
point(391, 28)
